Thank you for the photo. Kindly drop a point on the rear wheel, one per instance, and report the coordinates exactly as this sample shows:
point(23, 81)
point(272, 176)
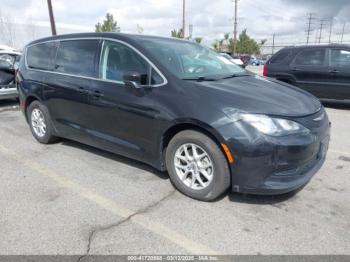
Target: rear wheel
point(40, 123)
point(196, 165)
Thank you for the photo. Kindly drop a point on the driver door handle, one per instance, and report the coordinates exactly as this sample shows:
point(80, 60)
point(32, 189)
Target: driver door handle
point(333, 71)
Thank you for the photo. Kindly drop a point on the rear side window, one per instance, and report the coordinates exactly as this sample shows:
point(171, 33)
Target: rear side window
point(41, 56)
point(77, 57)
point(280, 56)
point(340, 57)
point(311, 57)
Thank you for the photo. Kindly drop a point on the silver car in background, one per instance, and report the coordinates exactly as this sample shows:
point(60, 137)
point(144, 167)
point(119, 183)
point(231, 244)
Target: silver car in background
point(8, 66)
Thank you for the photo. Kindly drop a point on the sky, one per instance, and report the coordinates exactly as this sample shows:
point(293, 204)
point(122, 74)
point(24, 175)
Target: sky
point(287, 19)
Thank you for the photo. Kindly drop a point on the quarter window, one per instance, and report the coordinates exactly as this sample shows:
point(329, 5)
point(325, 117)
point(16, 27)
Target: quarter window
point(118, 58)
point(311, 57)
point(156, 79)
point(41, 56)
point(280, 56)
point(77, 57)
point(340, 57)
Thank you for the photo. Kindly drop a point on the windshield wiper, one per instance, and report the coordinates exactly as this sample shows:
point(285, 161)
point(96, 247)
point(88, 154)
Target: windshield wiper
point(234, 75)
point(200, 78)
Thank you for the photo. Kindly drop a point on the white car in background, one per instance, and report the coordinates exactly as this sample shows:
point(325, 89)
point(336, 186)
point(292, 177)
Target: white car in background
point(9, 60)
point(237, 61)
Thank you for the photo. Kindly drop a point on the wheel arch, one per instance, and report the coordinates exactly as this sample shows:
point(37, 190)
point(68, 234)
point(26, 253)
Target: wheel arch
point(189, 125)
point(29, 99)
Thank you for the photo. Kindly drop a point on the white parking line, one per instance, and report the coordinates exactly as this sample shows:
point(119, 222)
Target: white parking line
point(180, 240)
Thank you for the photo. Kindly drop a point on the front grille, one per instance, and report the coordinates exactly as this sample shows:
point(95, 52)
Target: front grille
point(315, 121)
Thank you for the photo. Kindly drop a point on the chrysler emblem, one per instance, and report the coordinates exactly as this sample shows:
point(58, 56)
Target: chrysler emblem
point(320, 118)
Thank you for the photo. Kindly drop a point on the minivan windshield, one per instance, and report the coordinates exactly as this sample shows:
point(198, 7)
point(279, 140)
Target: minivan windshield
point(190, 61)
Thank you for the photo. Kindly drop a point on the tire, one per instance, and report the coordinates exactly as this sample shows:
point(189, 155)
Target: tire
point(219, 170)
point(46, 137)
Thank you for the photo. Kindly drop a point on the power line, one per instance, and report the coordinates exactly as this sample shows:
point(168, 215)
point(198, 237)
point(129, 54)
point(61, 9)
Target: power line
point(342, 33)
point(52, 19)
point(322, 23)
point(310, 19)
point(330, 29)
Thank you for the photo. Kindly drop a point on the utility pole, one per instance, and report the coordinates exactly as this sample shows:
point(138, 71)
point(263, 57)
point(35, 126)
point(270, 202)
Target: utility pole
point(52, 19)
point(316, 36)
point(342, 33)
point(330, 30)
point(273, 44)
point(183, 18)
point(310, 20)
point(190, 31)
point(235, 28)
point(320, 34)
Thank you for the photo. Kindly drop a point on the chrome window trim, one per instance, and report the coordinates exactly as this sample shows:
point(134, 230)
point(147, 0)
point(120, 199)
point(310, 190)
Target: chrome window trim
point(165, 81)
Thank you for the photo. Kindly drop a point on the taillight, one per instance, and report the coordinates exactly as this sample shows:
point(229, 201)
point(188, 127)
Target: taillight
point(264, 70)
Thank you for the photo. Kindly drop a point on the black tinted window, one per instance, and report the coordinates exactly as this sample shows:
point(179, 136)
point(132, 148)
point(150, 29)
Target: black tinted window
point(41, 56)
point(280, 56)
point(340, 57)
point(77, 57)
point(118, 58)
point(311, 57)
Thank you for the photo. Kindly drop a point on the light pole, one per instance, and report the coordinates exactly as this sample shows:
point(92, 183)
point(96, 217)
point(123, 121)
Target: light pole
point(235, 28)
point(183, 18)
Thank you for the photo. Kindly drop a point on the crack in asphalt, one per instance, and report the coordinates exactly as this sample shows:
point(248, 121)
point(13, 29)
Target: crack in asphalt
point(108, 227)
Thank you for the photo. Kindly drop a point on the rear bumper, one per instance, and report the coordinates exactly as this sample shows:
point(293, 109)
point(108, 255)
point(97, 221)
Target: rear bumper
point(276, 165)
point(8, 92)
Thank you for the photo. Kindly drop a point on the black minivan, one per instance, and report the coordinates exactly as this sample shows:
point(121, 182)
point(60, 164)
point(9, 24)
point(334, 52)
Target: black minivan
point(177, 106)
point(322, 70)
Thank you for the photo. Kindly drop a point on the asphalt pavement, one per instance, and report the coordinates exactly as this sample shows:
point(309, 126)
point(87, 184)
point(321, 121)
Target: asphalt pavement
point(68, 198)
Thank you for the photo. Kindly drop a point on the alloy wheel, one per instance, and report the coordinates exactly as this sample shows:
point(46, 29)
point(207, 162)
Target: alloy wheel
point(193, 166)
point(38, 122)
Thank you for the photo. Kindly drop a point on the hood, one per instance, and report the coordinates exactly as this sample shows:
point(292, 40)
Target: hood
point(255, 94)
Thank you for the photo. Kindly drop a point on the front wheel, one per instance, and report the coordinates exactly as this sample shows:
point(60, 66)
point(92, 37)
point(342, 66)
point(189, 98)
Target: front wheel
point(196, 165)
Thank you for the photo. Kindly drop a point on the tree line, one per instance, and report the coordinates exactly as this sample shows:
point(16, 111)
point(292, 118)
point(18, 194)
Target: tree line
point(244, 44)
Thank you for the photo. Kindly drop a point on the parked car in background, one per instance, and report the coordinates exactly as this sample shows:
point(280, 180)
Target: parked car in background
point(7, 48)
point(245, 59)
point(9, 61)
point(177, 106)
point(323, 70)
point(262, 61)
point(235, 60)
point(254, 61)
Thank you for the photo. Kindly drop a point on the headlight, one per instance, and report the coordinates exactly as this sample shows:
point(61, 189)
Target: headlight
point(274, 126)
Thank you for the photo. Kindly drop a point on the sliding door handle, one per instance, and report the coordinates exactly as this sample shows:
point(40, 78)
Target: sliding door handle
point(97, 94)
point(333, 71)
point(82, 90)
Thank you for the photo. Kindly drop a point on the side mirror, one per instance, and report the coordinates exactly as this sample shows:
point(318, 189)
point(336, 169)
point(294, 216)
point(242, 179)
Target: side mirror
point(132, 79)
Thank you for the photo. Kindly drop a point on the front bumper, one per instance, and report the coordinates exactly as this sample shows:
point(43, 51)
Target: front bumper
point(8, 92)
point(270, 165)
